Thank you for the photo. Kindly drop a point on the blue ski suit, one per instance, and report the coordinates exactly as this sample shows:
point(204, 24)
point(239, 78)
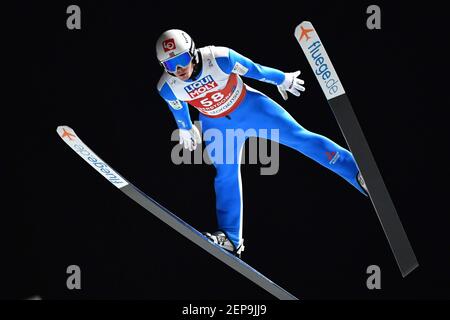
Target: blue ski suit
point(225, 102)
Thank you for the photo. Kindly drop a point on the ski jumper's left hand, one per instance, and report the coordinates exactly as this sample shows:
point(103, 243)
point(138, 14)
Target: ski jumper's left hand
point(291, 83)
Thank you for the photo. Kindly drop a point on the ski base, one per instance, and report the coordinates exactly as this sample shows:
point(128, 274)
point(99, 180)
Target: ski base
point(381, 200)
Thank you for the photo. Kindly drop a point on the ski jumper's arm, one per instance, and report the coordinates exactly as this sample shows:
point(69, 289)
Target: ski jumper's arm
point(232, 62)
point(180, 109)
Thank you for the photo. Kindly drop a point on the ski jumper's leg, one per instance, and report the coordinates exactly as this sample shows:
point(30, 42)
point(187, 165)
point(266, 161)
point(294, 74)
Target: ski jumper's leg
point(224, 150)
point(268, 114)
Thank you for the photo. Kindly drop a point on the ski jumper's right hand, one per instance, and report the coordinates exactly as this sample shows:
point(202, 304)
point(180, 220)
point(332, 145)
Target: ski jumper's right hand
point(291, 83)
point(190, 138)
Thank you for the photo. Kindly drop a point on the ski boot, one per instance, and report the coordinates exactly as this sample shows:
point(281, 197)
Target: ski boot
point(221, 239)
point(362, 183)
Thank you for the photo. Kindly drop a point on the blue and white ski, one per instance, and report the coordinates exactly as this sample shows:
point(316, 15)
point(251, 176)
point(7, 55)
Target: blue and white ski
point(69, 136)
point(332, 87)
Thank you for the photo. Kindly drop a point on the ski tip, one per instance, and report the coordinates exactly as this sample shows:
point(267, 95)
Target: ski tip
point(62, 128)
point(65, 131)
point(304, 24)
point(302, 28)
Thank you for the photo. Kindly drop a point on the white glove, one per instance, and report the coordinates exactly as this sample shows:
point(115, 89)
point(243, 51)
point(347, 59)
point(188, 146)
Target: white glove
point(292, 84)
point(190, 138)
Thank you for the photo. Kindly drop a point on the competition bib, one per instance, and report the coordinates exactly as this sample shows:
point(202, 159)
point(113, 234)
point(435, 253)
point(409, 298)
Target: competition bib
point(218, 103)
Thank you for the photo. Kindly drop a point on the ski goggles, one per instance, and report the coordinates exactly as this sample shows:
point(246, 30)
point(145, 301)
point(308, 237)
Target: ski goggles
point(181, 60)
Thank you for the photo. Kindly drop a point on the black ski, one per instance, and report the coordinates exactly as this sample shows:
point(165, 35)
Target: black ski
point(329, 81)
point(69, 136)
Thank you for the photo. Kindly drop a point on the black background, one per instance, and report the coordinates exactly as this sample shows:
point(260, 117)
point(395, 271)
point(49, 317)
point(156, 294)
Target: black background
point(304, 228)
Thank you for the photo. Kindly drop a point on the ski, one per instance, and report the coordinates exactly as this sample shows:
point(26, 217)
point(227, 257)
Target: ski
point(332, 87)
point(69, 136)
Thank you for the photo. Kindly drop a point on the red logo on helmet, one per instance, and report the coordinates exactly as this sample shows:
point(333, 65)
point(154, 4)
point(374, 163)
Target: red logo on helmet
point(168, 45)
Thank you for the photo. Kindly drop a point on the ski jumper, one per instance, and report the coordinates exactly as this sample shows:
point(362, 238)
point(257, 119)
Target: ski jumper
point(225, 102)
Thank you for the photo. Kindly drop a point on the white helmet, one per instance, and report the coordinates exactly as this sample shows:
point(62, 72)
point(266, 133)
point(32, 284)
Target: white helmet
point(175, 48)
